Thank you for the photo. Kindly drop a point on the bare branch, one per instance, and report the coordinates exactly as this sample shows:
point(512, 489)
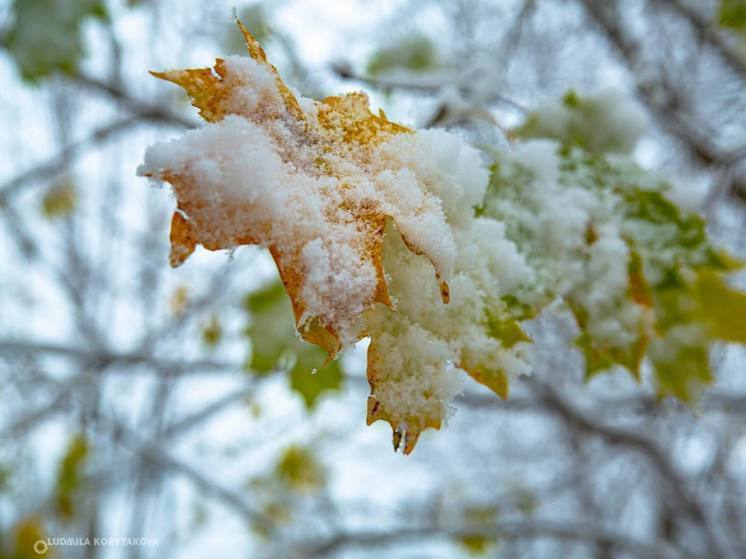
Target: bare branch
point(57, 163)
point(646, 447)
point(103, 357)
point(710, 34)
point(427, 85)
point(516, 529)
point(143, 109)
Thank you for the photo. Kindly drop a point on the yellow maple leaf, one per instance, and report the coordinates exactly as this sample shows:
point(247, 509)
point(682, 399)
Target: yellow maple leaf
point(330, 148)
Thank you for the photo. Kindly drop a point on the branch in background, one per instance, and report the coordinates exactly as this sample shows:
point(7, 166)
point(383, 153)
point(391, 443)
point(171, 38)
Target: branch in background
point(711, 401)
point(106, 358)
point(517, 529)
point(513, 37)
point(143, 109)
point(661, 97)
point(427, 85)
point(151, 452)
point(141, 112)
point(709, 34)
point(633, 440)
point(57, 163)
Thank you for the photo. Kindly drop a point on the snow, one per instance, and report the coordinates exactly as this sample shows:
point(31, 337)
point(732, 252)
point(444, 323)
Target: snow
point(603, 121)
point(257, 174)
point(319, 199)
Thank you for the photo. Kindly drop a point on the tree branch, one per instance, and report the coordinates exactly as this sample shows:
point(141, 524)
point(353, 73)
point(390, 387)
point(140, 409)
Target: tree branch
point(58, 162)
point(710, 35)
point(143, 109)
point(104, 357)
point(630, 439)
point(517, 529)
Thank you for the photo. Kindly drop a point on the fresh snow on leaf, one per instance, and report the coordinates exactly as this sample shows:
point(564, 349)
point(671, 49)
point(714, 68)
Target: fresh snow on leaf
point(606, 121)
point(412, 239)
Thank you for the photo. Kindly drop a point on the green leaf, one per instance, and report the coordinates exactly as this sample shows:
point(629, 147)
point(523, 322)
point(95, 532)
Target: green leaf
point(733, 15)
point(300, 470)
point(310, 382)
point(479, 516)
point(26, 532)
point(212, 333)
point(415, 53)
point(676, 275)
point(276, 345)
point(599, 123)
point(6, 474)
point(494, 379)
point(272, 329)
point(70, 476)
point(59, 201)
point(476, 544)
point(600, 356)
point(508, 329)
point(723, 307)
point(682, 371)
point(45, 36)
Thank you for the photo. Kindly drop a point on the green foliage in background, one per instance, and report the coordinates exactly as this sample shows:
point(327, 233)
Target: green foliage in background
point(299, 468)
point(60, 200)
point(256, 20)
point(733, 15)
point(70, 477)
point(296, 475)
point(597, 123)
point(23, 535)
point(45, 36)
point(6, 475)
point(414, 52)
point(212, 333)
point(674, 270)
point(275, 345)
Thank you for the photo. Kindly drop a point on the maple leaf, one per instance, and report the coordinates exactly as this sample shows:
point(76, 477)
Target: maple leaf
point(337, 133)
point(322, 214)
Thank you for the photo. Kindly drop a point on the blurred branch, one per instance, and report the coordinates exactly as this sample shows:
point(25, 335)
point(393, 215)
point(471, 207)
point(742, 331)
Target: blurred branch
point(710, 401)
point(516, 529)
point(423, 85)
point(58, 163)
point(102, 357)
point(143, 109)
point(661, 97)
point(151, 452)
point(709, 34)
point(647, 447)
point(209, 411)
point(28, 420)
point(513, 37)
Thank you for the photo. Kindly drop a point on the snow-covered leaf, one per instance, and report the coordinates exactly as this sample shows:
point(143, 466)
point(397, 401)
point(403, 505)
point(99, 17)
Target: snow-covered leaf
point(406, 237)
point(606, 121)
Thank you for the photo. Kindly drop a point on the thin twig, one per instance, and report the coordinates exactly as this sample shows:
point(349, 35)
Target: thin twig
point(58, 162)
point(516, 529)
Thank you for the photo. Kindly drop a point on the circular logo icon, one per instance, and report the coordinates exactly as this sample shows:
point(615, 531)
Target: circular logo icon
point(40, 547)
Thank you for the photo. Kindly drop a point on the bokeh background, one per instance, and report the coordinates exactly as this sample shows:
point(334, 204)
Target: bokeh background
point(140, 401)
